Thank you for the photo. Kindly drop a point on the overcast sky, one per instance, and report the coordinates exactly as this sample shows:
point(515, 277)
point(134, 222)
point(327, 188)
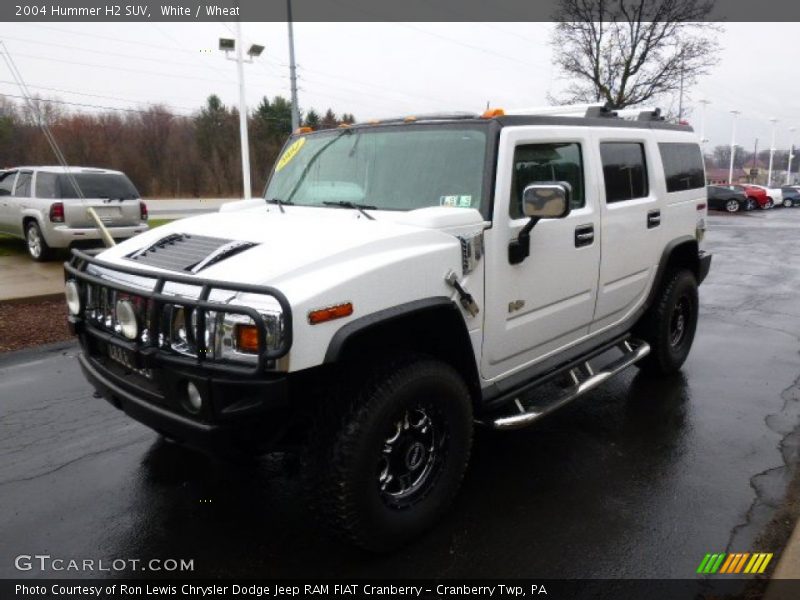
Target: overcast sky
point(380, 69)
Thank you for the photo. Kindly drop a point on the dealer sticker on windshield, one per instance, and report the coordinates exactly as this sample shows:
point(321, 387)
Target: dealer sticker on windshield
point(290, 153)
point(456, 201)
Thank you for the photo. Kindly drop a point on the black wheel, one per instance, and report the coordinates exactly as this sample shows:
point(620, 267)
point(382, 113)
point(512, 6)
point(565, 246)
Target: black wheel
point(732, 205)
point(750, 204)
point(767, 205)
point(38, 249)
point(669, 325)
point(787, 203)
point(389, 461)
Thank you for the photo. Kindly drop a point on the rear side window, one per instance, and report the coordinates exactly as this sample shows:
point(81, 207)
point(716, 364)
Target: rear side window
point(624, 170)
point(46, 185)
point(683, 166)
point(7, 183)
point(23, 187)
point(546, 163)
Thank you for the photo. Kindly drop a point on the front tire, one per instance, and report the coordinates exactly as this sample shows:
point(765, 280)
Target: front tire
point(670, 324)
point(38, 249)
point(767, 205)
point(388, 465)
point(788, 203)
point(732, 205)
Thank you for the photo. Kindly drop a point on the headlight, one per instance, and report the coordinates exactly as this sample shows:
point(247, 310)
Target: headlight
point(126, 319)
point(73, 297)
point(237, 335)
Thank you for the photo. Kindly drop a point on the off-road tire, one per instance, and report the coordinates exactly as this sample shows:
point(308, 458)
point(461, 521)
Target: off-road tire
point(35, 243)
point(659, 326)
point(348, 441)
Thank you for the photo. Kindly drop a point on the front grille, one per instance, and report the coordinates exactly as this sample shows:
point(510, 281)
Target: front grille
point(188, 253)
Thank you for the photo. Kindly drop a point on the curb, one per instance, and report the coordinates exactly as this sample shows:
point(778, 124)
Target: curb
point(32, 299)
point(788, 568)
point(13, 357)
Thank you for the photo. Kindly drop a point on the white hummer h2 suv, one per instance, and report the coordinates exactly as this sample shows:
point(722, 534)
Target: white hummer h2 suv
point(399, 282)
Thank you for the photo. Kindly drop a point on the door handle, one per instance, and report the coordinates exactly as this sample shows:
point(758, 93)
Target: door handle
point(584, 235)
point(653, 219)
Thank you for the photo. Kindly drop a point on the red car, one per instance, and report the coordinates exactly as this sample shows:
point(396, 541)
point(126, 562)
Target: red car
point(758, 194)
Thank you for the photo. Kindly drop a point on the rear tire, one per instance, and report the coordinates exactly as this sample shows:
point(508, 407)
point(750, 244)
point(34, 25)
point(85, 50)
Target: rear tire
point(767, 205)
point(389, 459)
point(788, 203)
point(670, 324)
point(38, 249)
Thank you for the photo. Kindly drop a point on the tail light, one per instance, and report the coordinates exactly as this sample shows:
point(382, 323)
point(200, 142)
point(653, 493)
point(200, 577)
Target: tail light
point(57, 212)
point(142, 211)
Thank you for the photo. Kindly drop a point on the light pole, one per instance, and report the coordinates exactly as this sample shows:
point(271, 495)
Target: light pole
point(791, 156)
point(703, 138)
point(735, 114)
point(773, 120)
point(226, 45)
point(292, 68)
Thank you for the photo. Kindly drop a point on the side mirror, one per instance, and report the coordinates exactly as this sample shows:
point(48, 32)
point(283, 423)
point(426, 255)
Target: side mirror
point(546, 200)
point(539, 201)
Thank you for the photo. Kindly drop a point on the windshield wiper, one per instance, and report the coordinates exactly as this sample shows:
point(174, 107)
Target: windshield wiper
point(347, 204)
point(279, 202)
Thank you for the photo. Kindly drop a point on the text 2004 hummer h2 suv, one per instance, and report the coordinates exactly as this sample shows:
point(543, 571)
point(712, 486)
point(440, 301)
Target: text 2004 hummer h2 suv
point(401, 281)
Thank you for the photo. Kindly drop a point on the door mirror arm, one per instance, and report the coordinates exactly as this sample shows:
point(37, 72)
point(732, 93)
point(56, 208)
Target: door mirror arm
point(520, 248)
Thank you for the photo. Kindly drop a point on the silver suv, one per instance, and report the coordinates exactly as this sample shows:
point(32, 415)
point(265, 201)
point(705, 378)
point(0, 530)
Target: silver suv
point(42, 206)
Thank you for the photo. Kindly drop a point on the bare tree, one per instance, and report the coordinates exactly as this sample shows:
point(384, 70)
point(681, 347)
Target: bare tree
point(626, 52)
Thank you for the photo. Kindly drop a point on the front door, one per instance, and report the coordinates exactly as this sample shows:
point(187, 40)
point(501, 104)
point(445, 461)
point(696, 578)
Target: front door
point(547, 301)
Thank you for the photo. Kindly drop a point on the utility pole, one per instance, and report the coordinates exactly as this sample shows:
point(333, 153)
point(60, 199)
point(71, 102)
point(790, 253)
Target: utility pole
point(243, 115)
point(791, 156)
point(292, 68)
point(703, 138)
point(755, 158)
point(773, 120)
point(735, 114)
point(680, 97)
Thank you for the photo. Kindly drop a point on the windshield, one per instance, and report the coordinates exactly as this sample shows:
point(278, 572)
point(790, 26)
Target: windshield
point(97, 185)
point(389, 168)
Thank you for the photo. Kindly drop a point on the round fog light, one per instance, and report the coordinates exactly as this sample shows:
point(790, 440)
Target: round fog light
point(126, 317)
point(194, 400)
point(73, 297)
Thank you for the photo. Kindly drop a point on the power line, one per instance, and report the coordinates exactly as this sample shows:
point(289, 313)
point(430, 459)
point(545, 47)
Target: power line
point(86, 105)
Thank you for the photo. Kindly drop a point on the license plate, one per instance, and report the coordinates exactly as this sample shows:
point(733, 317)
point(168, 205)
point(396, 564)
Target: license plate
point(107, 213)
point(122, 356)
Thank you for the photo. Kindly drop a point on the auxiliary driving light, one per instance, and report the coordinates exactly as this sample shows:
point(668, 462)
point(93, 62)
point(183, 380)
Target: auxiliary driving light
point(126, 317)
point(73, 297)
point(194, 400)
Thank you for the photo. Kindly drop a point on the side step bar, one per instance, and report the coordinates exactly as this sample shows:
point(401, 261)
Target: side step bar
point(584, 378)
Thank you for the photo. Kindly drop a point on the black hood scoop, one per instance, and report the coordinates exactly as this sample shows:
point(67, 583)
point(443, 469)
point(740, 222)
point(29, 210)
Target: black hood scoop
point(188, 253)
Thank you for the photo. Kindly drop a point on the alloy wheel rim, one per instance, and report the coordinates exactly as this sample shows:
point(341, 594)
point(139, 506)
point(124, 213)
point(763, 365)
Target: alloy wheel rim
point(34, 242)
point(732, 206)
point(679, 323)
point(410, 457)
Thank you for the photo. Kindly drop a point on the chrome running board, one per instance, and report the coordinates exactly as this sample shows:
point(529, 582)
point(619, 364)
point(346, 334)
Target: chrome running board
point(583, 378)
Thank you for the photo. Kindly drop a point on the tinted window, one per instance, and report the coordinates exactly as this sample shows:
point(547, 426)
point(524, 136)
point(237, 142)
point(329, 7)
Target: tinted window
point(683, 166)
point(624, 170)
point(546, 163)
point(23, 187)
point(7, 183)
point(46, 185)
point(97, 185)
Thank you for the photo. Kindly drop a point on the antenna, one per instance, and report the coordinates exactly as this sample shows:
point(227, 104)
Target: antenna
point(48, 134)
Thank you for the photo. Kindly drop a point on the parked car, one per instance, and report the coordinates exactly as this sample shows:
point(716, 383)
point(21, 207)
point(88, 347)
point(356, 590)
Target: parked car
point(791, 195)
point(42, 206)
point(773, 194)
point(758, 195)
point(726, 197)
point(381, 298)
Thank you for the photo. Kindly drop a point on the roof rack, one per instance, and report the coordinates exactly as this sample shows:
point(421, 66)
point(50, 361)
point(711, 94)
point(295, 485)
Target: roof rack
point(453, 116)
point(592, 111)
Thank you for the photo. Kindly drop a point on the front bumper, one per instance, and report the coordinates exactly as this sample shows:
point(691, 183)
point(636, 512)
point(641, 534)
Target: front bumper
point(704, 265)
point(237, 416)
point(61, 236)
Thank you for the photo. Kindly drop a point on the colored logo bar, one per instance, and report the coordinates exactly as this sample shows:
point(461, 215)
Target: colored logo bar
point(733, 563)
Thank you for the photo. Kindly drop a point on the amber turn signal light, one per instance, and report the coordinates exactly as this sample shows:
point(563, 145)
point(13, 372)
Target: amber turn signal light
point(491, 113)
point(247, 338)
point(329, 314)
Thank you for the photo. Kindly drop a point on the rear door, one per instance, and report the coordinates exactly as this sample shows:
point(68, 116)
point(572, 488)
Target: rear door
point(6, 199)
point(546, 302)
point(631, 223)
point(20, 199)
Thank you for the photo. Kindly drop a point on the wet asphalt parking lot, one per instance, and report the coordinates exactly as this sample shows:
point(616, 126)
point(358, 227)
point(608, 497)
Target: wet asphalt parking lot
point(640, 478)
